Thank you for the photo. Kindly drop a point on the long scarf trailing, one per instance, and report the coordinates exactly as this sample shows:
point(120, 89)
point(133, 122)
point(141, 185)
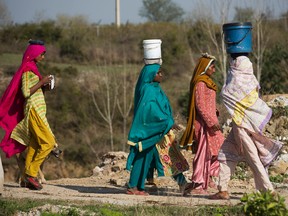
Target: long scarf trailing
point(12, 101)
point(198, 76)
point(241, 98)
point(152, 113)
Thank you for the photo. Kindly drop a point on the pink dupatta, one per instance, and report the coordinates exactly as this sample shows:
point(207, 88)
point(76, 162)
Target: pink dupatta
point(12, 101)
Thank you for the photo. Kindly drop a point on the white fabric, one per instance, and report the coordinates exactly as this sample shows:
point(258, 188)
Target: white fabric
point(241, 146)
point(153, 61)
point(241, 97)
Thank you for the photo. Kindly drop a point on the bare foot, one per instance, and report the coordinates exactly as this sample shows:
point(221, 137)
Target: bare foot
point(199, 191)
point(221, 195)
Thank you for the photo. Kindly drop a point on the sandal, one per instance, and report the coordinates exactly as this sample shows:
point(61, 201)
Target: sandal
point(222, 195)
point(133, 191)
point(199, 191)
point(190, 186)
point(142, 193)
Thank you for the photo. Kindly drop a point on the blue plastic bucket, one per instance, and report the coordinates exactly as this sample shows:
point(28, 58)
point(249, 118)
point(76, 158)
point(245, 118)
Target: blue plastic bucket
point(238, 37)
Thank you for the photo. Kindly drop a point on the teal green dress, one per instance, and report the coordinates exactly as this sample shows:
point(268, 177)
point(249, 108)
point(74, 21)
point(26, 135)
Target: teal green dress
point(152, 120)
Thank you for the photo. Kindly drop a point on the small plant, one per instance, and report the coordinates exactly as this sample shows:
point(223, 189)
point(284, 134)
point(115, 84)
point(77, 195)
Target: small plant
point(278, 178)
point(241, 172)
point(264, 203)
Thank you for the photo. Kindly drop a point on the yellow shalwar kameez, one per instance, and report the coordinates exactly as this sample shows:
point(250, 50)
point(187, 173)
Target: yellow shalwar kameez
point(34, 130)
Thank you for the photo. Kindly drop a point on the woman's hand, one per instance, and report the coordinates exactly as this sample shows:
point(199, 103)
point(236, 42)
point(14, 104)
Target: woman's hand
point(46, 80)
point(216, 127)
point(43, 83)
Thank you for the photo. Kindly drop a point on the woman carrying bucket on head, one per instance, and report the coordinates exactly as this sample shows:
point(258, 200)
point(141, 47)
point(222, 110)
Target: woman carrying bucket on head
point(151, 137)
point(249, 113)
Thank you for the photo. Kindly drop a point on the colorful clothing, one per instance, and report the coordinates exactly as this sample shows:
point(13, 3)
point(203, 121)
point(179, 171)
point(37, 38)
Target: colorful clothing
point(152, 113)
point(22, 131)
point(152, 121)
point(250, 114)
point(12, 101)
point(23, 116)
point(199, 133)
point(41, 143)
point(205, 163)
point(172, 160)
point(241, 97)
point(240, 146)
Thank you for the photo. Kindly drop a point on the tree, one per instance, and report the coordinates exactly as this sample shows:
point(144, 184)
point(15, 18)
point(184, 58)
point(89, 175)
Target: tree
point(161, 11)
point(274, 77)
point(103, 89)
point(125, 98)
point(262, 36)
point(214, 32)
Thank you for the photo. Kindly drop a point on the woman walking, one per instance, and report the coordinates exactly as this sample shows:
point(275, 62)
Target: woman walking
point(23, 114)
point(245, 141)
point(202, 132)
point(151, 130)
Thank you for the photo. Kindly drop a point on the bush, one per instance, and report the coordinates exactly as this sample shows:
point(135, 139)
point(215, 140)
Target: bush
point(264, 203)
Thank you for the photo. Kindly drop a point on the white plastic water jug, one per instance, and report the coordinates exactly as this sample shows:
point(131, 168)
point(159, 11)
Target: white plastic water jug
point(152, 48)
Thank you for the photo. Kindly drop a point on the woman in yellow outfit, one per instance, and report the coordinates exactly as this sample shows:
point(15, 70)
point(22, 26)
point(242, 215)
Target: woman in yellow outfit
point(28, 126)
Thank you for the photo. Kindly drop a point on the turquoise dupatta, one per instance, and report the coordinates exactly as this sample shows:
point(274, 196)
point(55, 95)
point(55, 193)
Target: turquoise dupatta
point(152, 113)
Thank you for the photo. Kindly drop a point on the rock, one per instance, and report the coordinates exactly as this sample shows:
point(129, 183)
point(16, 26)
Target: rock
point(280, 101)
point(115, 168)
point(97, 171)
point(116, 155)
point(118, 182)
point(280, 166)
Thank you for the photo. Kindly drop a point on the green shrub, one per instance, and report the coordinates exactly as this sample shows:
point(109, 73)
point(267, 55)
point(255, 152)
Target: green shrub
point(241, 172)
point(278, 178)
point(264, 203)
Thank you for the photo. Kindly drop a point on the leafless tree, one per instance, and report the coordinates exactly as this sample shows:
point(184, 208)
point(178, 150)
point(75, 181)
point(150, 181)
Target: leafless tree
point(103, 89)
point(125, 98)
point(261, 36)
point(217, 8)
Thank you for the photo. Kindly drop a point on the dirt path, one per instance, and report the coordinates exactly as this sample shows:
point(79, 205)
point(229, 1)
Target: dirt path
point(99, 190)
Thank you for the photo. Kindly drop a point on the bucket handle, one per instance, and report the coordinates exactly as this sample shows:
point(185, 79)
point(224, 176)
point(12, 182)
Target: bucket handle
point(228, 42)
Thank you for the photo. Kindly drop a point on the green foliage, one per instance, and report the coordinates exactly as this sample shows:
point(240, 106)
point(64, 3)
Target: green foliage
point(274, 73)
point(278, 178)
point(240, 171)
point(218, 211)
point(46, 31)
point(66, 212)
point(197, 36)
point(9, 207)
point(71, 49)
point(183, 102)
point(279, 111)
point(265, 203)
point(161, 11)
point(110, 212)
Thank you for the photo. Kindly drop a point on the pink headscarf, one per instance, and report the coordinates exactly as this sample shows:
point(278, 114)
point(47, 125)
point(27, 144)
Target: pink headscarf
point(12, 101)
